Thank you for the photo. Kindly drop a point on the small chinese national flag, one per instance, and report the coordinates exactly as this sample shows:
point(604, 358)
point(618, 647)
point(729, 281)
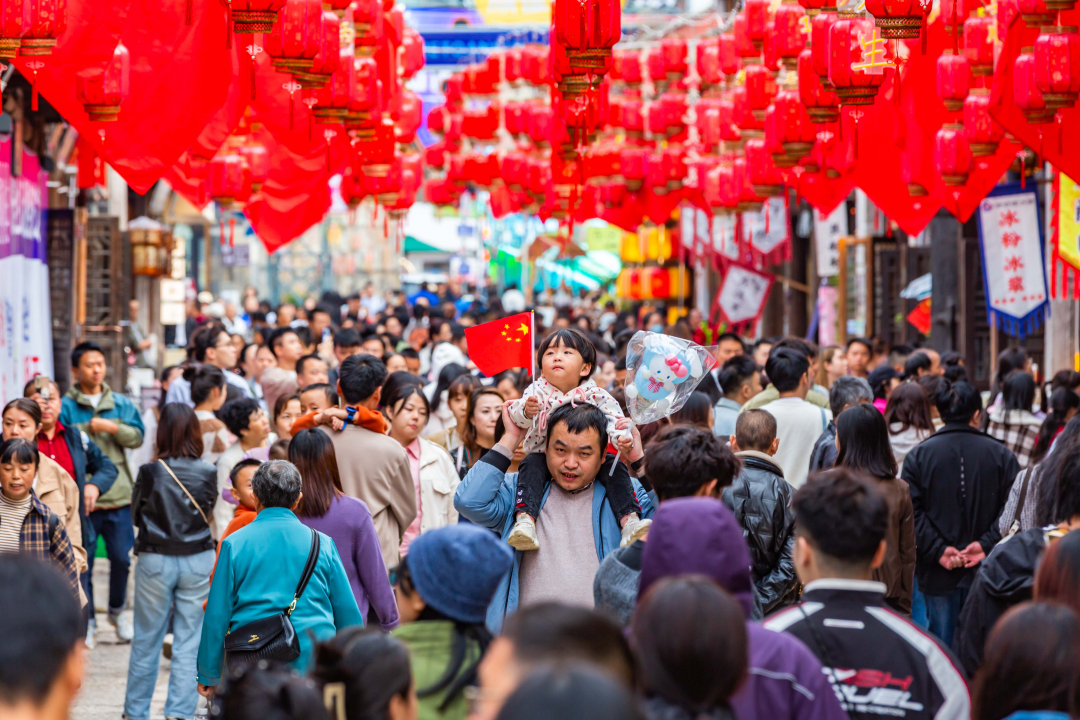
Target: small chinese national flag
point(502, 344)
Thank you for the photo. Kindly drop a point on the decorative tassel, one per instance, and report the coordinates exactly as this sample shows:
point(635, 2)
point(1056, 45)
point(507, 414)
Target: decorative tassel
point(1061, 133)
point(310, 126)
point(857, 113)
point(34, 94)
point(767, 216)
point(228, 25)
point(232, 228)
point(923, 33)
point(221, 229)
point(292, 111)
point(188, 12)
point(1076, 285)
point(1021, 156)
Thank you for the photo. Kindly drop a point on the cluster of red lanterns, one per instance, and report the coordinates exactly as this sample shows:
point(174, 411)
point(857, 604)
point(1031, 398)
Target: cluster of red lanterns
point(357, 91)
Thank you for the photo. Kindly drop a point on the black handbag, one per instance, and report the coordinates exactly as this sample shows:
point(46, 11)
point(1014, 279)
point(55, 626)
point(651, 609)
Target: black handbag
point(271, 638)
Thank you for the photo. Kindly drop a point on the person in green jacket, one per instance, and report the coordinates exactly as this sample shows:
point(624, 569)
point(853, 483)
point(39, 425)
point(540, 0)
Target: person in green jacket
point(258, 568)
point(443, 587)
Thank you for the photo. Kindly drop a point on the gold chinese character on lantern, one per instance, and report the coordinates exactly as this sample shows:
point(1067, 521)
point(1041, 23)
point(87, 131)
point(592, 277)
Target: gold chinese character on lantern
point(873, 55)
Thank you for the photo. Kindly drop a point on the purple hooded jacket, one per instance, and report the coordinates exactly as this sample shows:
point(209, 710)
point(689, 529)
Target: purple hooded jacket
point(701, 536)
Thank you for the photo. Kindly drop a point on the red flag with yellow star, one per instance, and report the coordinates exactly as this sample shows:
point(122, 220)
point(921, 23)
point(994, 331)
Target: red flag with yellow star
point(502, 344)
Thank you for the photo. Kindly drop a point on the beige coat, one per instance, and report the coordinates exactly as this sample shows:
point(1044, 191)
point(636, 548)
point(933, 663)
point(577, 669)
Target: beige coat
point(438, 482)
point(55, 488)
point(374, 468)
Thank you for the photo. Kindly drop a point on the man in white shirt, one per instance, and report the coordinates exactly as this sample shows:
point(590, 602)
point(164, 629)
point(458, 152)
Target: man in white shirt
point(798, 422)
point(371, 301)
point(210, 344)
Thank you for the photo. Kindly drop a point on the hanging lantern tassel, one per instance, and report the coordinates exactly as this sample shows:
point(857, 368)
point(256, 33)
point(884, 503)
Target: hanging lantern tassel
point(232, 230)
point(923, 33)
point(292, 112)
point(1061, 133)
point(188, 12)
point(1020, 155)
point(34, 65)
point(221, 228)
point(228, 24)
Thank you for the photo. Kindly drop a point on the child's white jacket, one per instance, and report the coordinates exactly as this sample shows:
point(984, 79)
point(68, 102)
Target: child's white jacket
point(551, 399)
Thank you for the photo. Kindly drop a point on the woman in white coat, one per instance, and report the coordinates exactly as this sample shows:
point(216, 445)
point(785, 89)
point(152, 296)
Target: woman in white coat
point(434, 476)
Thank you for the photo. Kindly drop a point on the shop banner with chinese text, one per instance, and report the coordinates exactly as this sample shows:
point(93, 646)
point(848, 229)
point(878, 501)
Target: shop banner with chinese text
point(25, 320)
point(1010, 237)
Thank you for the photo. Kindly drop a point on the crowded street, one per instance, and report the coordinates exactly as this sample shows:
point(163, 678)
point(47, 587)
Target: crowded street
point(539, 360)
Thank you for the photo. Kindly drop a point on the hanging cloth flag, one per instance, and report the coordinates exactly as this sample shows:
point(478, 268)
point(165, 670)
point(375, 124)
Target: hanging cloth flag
point(828, 229)
point(767, 233)
point(1010, 237)
point(742, 296)
point(502, 344)
point(1065, 256)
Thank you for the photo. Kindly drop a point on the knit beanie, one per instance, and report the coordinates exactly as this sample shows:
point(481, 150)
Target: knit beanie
point(457, 568)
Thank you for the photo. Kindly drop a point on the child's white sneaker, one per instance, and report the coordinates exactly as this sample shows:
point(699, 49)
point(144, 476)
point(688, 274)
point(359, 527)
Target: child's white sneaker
point(634, 529)
point(523, 536)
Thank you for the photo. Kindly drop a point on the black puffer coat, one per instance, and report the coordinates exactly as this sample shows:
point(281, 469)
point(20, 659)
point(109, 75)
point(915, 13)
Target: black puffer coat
point(761, 501)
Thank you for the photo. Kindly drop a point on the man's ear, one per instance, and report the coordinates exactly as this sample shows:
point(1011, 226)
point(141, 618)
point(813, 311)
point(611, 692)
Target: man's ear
point(297, 503)
point(773, 447)
point(377, 395)
point(708, 489)
point(340, 394)
point(733, 444)
point(586, 370)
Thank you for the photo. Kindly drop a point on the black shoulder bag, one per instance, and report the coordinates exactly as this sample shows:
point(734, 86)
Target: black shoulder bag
point(271, 638)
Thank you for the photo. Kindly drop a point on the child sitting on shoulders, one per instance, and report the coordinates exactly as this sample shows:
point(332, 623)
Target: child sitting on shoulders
point(567, 359)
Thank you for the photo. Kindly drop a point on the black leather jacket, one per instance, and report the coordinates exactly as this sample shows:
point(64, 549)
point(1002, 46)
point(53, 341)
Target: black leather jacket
point(168, 523)
point(761, 501)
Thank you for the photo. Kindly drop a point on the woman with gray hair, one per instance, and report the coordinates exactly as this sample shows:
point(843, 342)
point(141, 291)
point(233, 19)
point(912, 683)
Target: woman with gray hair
point(259, 578)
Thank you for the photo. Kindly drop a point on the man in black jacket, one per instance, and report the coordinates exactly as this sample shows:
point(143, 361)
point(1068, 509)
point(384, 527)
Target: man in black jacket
point(1007, 576)
point(760, 499)
point(879, 663)
point(959, 479)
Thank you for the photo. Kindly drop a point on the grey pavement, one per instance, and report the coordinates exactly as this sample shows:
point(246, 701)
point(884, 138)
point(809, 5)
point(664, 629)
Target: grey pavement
point(102, 694)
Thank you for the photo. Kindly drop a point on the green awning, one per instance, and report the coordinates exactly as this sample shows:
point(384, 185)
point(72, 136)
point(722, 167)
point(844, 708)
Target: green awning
point(412, 245)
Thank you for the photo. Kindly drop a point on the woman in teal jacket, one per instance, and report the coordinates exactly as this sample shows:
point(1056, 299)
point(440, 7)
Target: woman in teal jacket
point(258, 569)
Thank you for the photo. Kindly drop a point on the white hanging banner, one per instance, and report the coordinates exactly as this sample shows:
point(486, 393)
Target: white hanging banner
point(724, 240)
point(1010, 236)
point(742, 295)
point(828, 229)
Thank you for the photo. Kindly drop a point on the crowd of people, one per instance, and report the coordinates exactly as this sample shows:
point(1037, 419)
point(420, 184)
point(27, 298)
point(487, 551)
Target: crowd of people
point(333, 514)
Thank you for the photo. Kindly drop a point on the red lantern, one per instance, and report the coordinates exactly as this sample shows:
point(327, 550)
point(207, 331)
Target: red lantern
point(898, 19)
point(227, 179)
point(588, 29)
point(45, 21)
point(1057, 65)
point(326, 61)
point(102, 91)
point(757, 13)
point(819, 43)
point(411, 114)
point(748, 196)
point(369, 24)
point(954, 13)
point(1026, 92)
point(1035, 13)
point(708, 65)
point(769, 58)
point(333, 101)
point(765, 177)
point(254, 16)
point(744, 46)
point(952, 155)
point(790, 40)
point(258, 161)
point(743, 116)
point(953, 80)
point(729, 56)
point(673, 50)
point(626, 66)
point(855, 85)
point(412, 54)
point(632, 163)
point(821, 104)
point(813, 7)
point(979, 45)
point(982, 131)
point(760, 89)
point(796, 131)
point(295, 40)
point(13, 23)
point(725, 117)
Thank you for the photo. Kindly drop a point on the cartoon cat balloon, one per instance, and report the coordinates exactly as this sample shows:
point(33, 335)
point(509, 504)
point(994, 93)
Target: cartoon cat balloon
point(662, 371)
